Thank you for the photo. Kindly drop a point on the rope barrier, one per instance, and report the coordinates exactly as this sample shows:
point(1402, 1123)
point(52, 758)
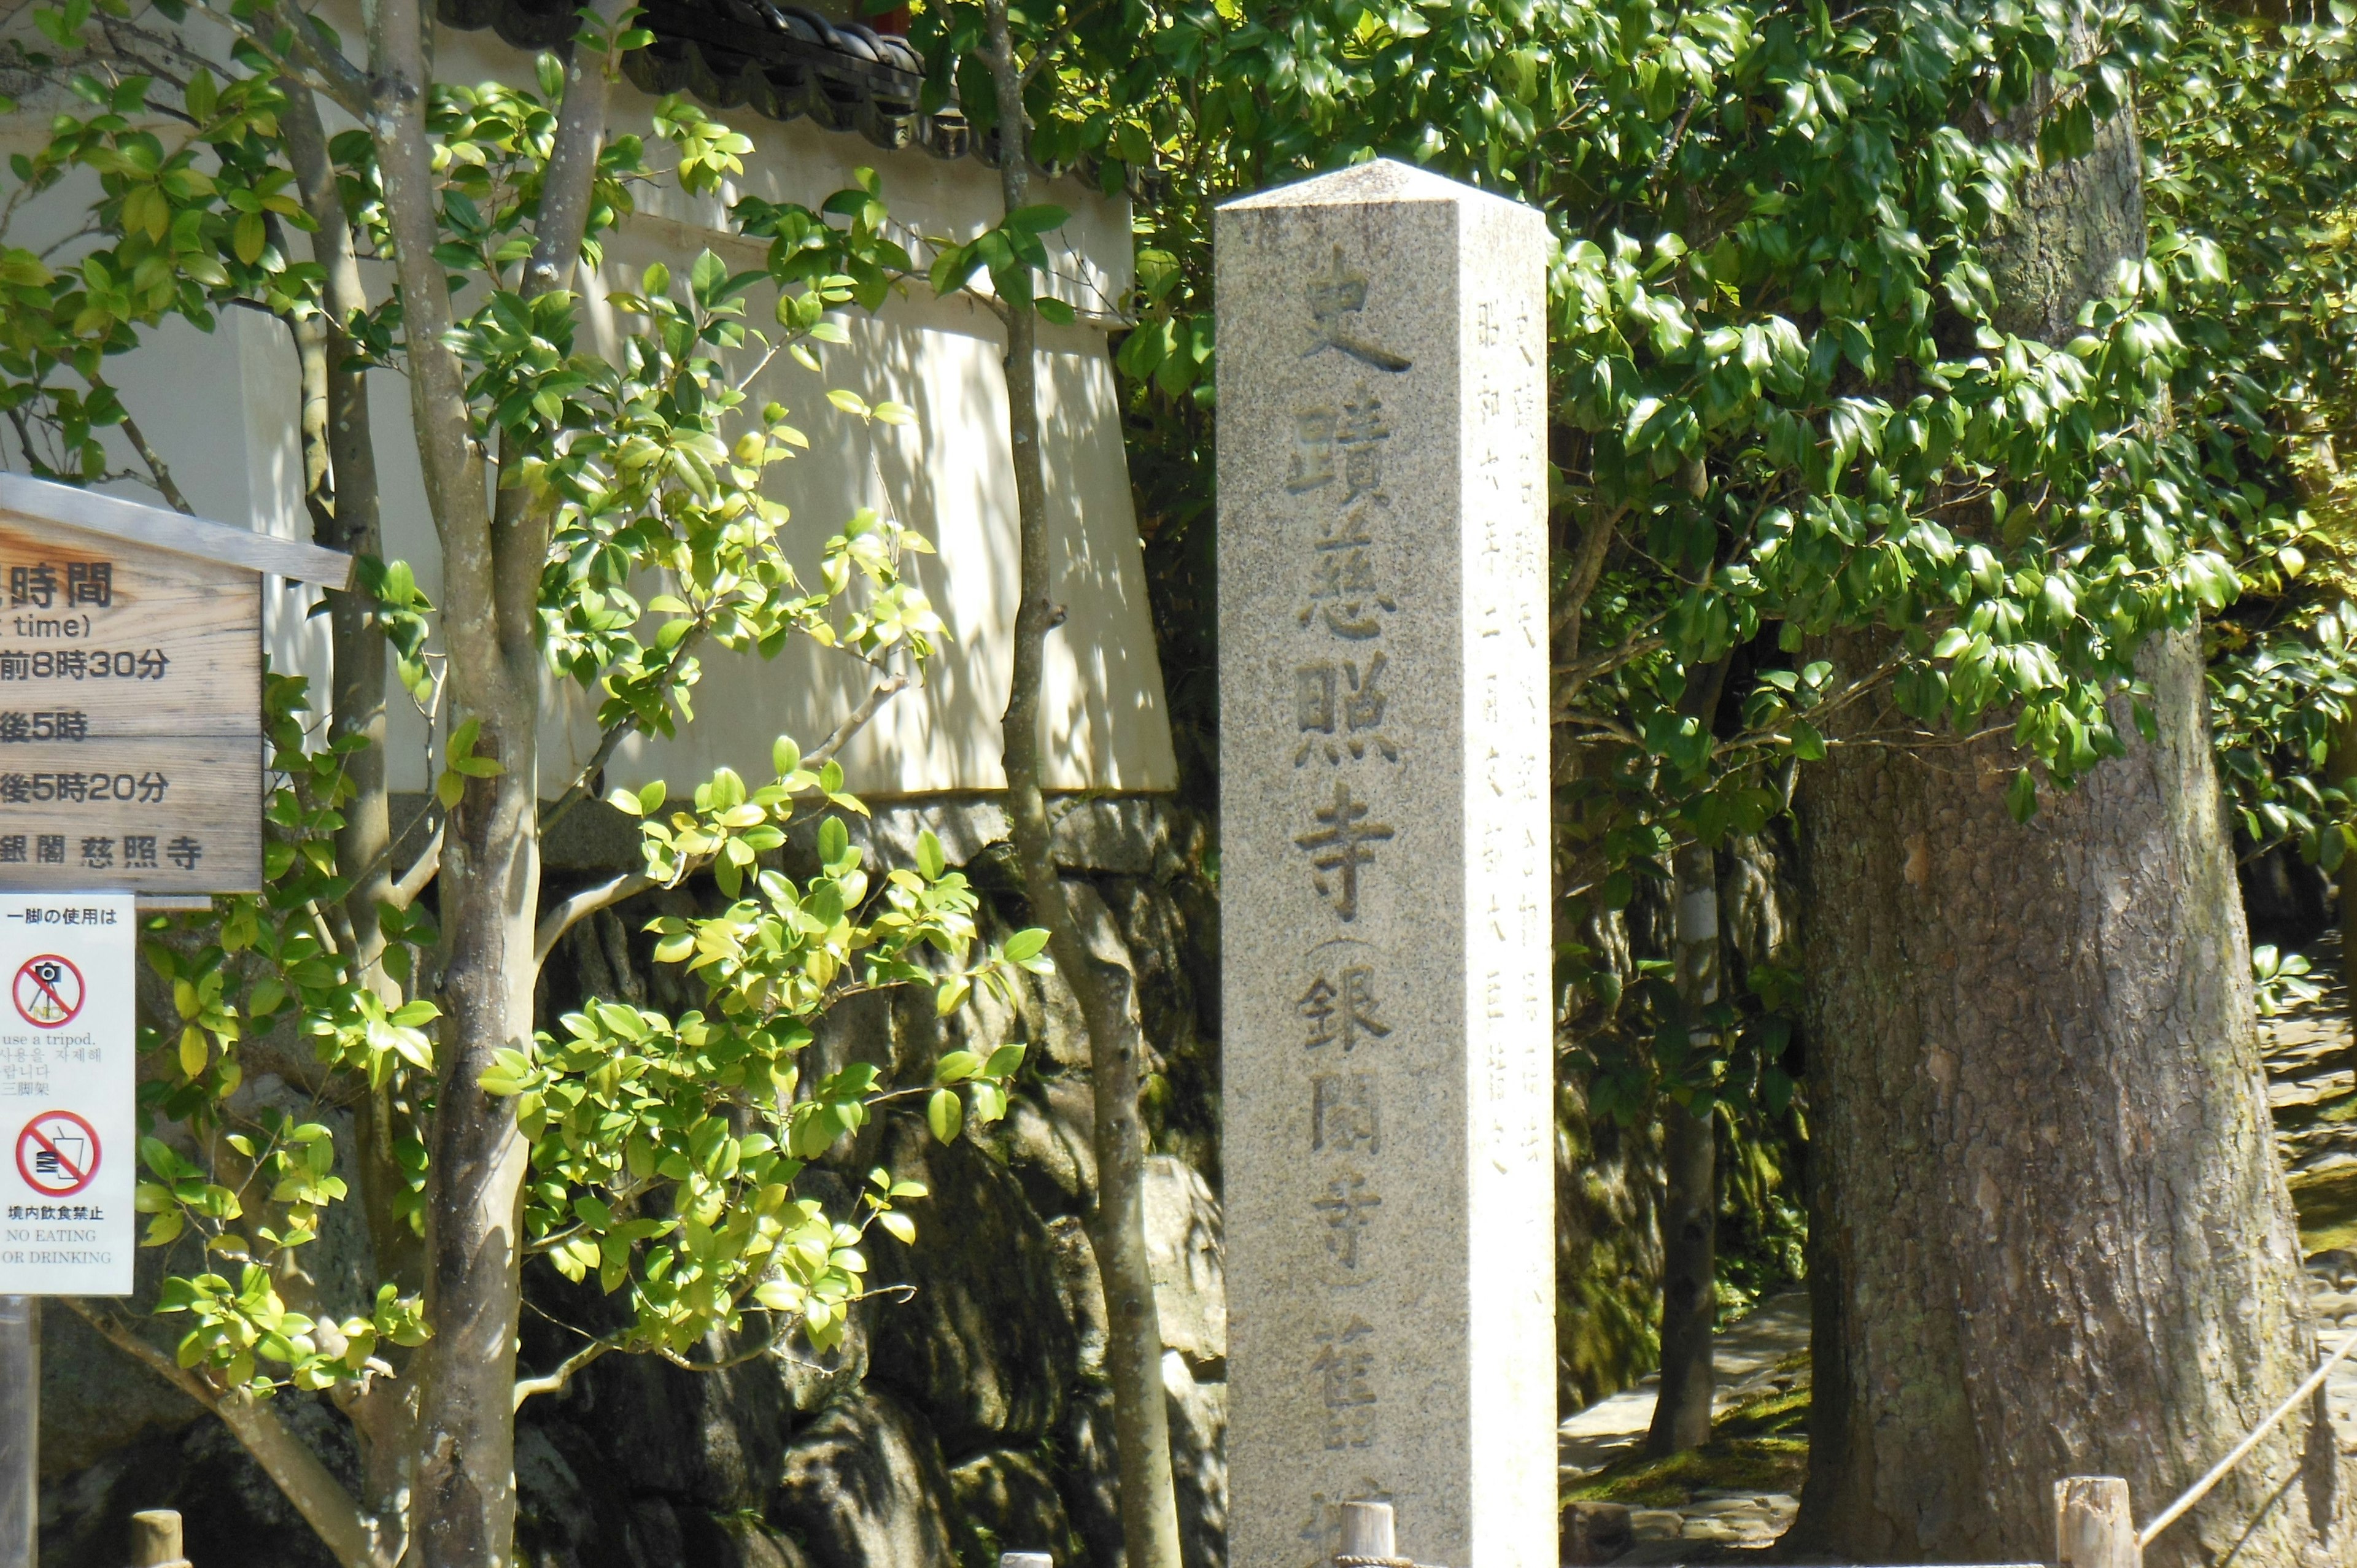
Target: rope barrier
point(2218, 1472)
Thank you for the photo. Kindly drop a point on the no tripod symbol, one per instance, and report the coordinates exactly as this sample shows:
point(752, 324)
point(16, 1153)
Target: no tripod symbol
point(49, 991)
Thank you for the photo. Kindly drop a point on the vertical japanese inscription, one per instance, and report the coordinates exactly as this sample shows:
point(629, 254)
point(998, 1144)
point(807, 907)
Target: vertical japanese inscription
point(1335, 483)
point(1334, 477)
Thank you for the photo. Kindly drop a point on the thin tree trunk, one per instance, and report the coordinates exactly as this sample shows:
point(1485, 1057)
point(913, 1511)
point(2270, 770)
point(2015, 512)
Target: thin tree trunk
point(1690, 1184)
point(346, 512)
point(2317, 476)
point(463, 1511)
point(1149, 1514)
point(2340, 768)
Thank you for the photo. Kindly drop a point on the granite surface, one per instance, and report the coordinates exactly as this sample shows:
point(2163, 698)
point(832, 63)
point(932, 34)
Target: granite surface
point(1385, 868)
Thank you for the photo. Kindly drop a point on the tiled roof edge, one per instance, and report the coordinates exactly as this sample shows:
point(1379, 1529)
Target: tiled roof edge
point(782, 61)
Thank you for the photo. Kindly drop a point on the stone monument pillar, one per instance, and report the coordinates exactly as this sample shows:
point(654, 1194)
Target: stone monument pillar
point(1388, 1147)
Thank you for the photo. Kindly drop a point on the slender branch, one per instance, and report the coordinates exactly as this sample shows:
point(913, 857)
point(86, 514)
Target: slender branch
point(339, 78)
point(857, 720)
point(630, 885)
point(1134, 1338)
point(1603, 726)
point(432, 845)
point(581, 905)
point(411, 883)
point(557, 1381)
point(1587, 567)
point(1575, 674)
point(156, 466)
point(1677, 134)
point(1631, 649)
point(358, 1538)
point(571, 177)
point(612, 741)
point(124, 1337)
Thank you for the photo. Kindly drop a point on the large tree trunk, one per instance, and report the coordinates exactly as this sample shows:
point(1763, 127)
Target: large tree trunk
point(2049, 1233)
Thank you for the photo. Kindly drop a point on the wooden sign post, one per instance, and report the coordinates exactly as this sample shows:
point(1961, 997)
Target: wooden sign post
point(131, 744)
point(131, 761)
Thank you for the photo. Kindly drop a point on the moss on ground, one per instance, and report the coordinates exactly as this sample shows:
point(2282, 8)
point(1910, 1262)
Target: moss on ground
point(1761, 1444)
point(2328, 1209)
point(1760, 1464)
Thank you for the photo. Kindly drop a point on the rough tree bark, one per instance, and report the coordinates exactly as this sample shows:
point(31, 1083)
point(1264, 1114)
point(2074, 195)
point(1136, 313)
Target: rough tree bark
point(1149, 1509)
point(2049, 1234)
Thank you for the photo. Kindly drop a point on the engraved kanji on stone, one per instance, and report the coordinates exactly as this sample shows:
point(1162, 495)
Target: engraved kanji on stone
point(1337, 849)
point(1342, 586)
point(1343, 706)
point(1345, 1366)
point(1361, 434)
point(1335, 297)
point(1343, 1014)
point(1344, 1116)
point(1347, 1208)
point(1312, 465)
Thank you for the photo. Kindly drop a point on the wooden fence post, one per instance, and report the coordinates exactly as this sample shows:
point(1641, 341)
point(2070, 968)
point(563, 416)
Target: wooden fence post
point(1026, 1559)
point(156, 1540)
point(1367, 1534)
point(2092, 1526)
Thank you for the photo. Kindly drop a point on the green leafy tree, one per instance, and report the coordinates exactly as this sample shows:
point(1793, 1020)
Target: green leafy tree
point(2253, 141)
point(1800, 433)
point(394, 973)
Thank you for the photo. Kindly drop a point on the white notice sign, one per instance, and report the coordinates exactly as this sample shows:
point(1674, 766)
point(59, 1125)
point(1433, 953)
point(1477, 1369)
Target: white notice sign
point(68, 1083)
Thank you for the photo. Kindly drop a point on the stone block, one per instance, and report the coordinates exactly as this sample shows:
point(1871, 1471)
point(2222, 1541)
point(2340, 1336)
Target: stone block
point(1119, 833)
point(1199, 1468)
point(1185, 1252)
point(865, 1485)
point(980, 1348)
point(1045, 1139)
point(1083, 1292)
point(1595, 1532)
point(1009, 1495)
point(1086, 1472)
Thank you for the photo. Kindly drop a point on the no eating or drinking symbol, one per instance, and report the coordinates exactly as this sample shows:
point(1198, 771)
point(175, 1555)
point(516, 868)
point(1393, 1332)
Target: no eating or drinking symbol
point(57, 1153)
point(47, 991)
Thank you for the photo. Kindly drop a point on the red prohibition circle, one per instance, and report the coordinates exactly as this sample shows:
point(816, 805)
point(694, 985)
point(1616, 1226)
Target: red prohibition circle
point(48, 991)
point(57, 1153)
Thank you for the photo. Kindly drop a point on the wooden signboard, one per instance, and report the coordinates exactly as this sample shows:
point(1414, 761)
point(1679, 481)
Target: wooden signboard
point(130, 743)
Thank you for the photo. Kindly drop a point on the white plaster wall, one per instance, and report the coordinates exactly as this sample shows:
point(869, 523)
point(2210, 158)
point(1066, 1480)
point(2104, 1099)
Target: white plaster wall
point(221, 408)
